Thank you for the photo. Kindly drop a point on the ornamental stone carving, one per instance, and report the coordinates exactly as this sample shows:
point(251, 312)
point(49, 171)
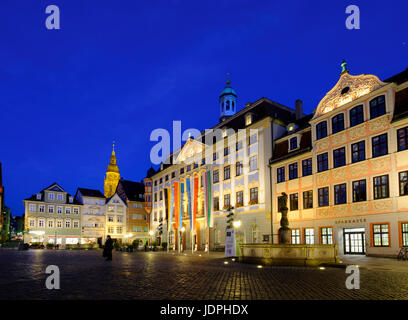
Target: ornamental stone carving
point(379, 124)
point(359, 208)
point(323, 178)
point(340, 210)
point(322, 145)
point(339, 138)
point(382, 205)
point(357, 132)
point(340, 174)
point(347, 89)
point(359, 169)
point(325, 212)
point(380, 164)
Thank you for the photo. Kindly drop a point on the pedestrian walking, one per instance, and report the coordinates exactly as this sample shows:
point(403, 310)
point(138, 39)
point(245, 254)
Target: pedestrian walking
point(107, 249)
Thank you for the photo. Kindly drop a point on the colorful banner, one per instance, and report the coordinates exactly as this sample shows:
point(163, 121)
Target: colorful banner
point(195, 196)
point(176, 204)
point(169, 220)
point(181, 205)
point(190, 211)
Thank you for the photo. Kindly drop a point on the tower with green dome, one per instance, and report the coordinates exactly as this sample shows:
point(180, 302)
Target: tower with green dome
point(228, 101)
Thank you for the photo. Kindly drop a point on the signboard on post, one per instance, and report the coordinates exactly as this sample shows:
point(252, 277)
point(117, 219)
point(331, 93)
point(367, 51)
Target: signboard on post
point(230, 250)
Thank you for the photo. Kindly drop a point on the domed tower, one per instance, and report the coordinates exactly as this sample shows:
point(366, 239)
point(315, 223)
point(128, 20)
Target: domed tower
point(112, 176)
point(228, 101)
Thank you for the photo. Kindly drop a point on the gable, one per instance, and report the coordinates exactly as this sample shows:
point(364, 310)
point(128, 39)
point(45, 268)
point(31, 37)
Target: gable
point(190, 149)
point(55, 187)
point(347, 89)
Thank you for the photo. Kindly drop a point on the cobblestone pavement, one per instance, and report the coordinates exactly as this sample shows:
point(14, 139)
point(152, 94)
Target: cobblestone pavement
point(159, 275)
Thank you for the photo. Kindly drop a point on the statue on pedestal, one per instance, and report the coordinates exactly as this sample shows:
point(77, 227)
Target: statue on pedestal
point(284, 231)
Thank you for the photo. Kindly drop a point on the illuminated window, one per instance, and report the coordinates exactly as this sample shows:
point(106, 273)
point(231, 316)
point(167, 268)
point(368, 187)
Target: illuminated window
point(309, 236)
point(326, 235)
point(381, 235)
point(33, 207)
point(404, 234)
point(50, 224)
point(295, 236)
point(239, 168)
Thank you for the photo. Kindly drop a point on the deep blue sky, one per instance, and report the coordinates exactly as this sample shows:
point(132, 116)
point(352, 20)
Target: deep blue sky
point(119, 69)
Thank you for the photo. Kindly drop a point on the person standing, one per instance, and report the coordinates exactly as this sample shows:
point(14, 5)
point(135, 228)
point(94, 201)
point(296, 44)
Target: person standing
point(107, 250)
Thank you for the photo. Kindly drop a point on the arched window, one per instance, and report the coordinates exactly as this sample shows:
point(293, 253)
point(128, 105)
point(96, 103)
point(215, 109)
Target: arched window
point(227, 105)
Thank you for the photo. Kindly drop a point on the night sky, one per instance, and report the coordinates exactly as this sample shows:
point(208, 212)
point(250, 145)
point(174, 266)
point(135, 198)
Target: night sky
point(116, 70)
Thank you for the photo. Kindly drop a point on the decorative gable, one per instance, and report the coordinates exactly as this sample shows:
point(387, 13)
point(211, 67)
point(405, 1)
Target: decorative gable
point(191, 149)
point(347, 89)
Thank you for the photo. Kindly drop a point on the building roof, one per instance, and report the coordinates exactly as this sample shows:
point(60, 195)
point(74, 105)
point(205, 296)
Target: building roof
point(399, 77)
point(91, 193)
point(130, 190)
point(53, 187)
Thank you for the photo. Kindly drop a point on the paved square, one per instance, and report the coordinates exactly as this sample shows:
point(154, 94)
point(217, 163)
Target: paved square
point(158, 275)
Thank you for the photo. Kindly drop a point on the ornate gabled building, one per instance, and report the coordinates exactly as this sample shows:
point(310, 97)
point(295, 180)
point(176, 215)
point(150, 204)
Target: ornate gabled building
point(235, 157)
point(52, 214)
point(345, 168)
point(112, 176)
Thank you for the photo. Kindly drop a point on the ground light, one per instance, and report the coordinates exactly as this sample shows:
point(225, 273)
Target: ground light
point(259, 267)
point(322, 268)
point(225, 262)
point(233, 259)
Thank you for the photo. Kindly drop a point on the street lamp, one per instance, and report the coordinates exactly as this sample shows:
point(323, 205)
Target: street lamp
point(236, 224)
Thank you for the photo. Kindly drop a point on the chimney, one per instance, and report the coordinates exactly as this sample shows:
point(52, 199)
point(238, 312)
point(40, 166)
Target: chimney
point(299, 109)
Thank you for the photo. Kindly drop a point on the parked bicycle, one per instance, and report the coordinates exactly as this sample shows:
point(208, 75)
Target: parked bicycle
point(403, 254)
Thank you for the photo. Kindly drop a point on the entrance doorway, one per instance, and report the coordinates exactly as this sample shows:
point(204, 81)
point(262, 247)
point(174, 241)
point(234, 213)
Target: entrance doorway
point(354, 241)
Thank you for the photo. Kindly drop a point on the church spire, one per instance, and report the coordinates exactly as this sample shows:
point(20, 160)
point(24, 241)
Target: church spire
point(112, 175)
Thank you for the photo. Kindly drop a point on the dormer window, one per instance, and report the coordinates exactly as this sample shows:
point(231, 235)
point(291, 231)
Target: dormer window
point(71, 199)
point(293, 143)
point(38, 196)
point(248, 119)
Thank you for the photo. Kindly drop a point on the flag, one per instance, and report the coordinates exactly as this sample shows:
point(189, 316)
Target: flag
point(190, 211)
point(181, 205)
point(195, 195)
point(171, 208)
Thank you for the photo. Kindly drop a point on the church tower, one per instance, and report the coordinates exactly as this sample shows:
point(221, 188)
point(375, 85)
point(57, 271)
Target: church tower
point(228, 101)
point(112, 176)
